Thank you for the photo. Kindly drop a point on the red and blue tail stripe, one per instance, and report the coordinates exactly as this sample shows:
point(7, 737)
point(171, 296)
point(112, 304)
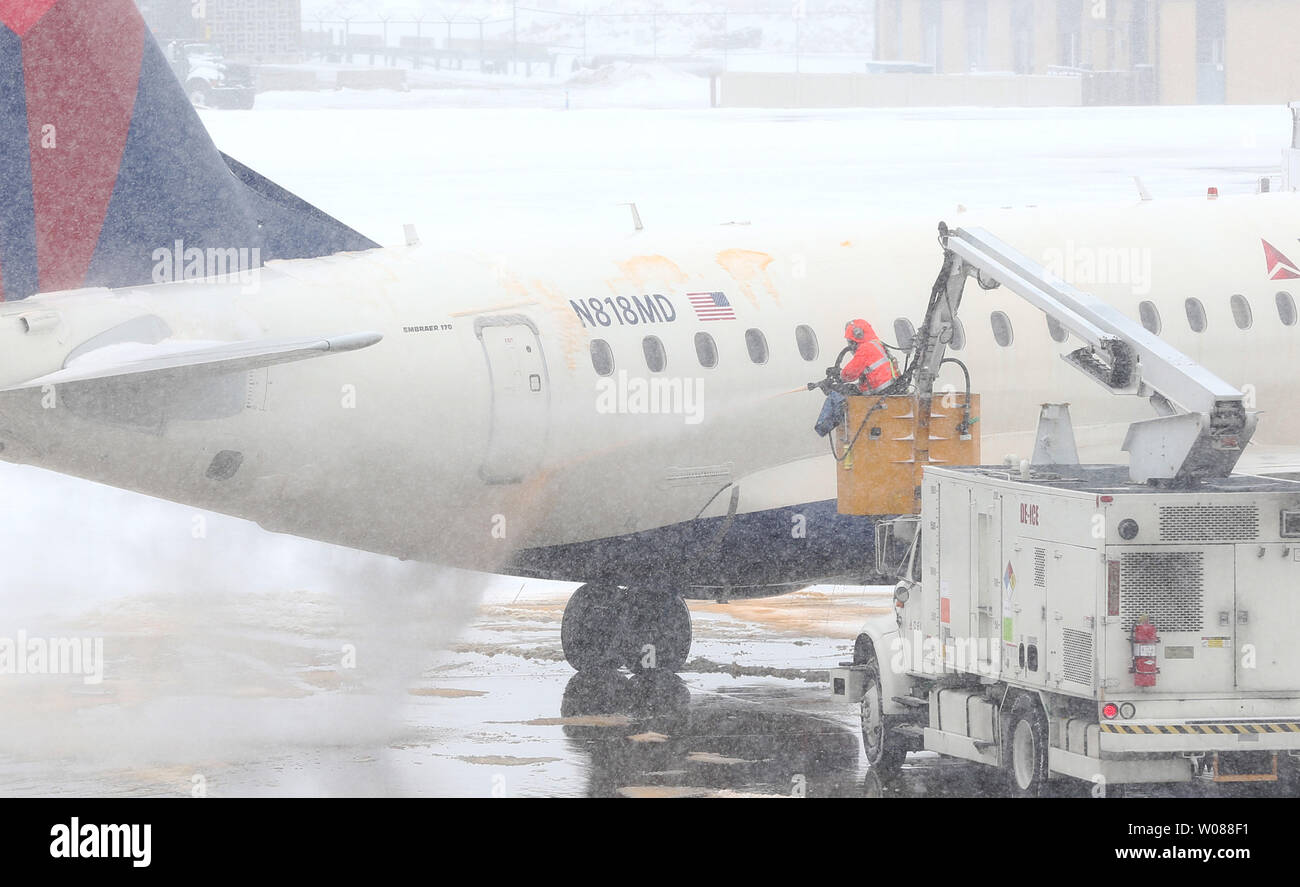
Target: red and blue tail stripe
point(103, 160)
point(17, 212)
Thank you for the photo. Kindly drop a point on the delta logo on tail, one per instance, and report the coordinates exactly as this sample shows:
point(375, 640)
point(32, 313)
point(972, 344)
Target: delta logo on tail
point(1279, 266)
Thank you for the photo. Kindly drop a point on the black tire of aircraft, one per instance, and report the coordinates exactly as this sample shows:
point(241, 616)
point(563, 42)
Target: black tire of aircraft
point(608, 626)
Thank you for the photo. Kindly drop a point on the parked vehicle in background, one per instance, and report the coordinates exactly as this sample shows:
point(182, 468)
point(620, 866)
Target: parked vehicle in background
point(210, 81)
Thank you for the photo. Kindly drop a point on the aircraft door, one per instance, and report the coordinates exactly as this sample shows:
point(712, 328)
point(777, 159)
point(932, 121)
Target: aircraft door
point(521, 398)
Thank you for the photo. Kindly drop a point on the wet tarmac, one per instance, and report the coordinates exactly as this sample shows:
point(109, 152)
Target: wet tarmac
point(750, 715)
point(246, 696)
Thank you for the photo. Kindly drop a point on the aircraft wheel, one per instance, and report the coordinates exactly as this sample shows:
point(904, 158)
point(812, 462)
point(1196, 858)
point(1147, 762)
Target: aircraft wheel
point(657, 631)
point(589, 632)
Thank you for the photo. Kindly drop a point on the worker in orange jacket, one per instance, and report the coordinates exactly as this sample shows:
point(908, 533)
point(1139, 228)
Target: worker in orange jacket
point(870, 367)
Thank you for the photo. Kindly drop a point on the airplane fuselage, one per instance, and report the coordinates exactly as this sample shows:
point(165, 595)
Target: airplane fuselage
point(479, 432)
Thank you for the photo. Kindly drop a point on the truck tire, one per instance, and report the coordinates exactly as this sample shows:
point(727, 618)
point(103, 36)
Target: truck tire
point(200, 93)
point(884, 751)
point(1025, 754)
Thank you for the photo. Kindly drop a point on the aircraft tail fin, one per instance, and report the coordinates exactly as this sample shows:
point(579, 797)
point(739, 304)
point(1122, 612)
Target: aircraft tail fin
point(104, 162)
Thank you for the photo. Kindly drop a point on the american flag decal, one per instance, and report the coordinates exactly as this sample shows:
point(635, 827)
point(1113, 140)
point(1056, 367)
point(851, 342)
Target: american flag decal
point(711, 306)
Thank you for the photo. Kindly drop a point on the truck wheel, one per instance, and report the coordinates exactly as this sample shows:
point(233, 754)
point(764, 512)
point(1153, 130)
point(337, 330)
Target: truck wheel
point(885, 753)
point(1026, 749)
point(200, 93)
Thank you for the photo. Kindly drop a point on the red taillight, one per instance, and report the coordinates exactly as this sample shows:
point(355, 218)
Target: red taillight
point(1109, 711)
point(1112, 588)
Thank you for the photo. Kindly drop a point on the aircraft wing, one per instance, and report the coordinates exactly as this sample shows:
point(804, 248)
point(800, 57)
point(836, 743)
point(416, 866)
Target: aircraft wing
point(194, 359)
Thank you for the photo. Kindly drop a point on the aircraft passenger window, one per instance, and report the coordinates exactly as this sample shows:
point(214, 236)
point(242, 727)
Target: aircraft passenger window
point(602, 357)
point(1286, 309)
point(1195, 315)
point(655, 358)
point(806, 339)
point(1150, 317)
point(1055, 330)
point(958, 335)
point(1241, 313)
point(1001, 329)
point(706, 350)
point(904, 333)
point(756, 342)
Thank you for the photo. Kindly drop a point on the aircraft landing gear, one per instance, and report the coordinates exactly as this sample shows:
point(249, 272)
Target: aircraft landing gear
point(656, 631)
point(590, 631)
point(609, 627)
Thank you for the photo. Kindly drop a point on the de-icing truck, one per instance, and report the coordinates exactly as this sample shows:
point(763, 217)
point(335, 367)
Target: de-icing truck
point(1117, 624)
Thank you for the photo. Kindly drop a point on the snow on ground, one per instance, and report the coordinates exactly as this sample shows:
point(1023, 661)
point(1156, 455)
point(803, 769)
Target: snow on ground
point(467, 175)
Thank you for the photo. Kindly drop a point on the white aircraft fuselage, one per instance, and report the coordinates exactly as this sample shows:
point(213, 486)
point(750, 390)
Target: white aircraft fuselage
point(478, 432)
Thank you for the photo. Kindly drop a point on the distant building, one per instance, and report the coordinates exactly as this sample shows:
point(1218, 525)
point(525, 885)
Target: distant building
point(171, 19)
point(250, 30)
point(1129, 51)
